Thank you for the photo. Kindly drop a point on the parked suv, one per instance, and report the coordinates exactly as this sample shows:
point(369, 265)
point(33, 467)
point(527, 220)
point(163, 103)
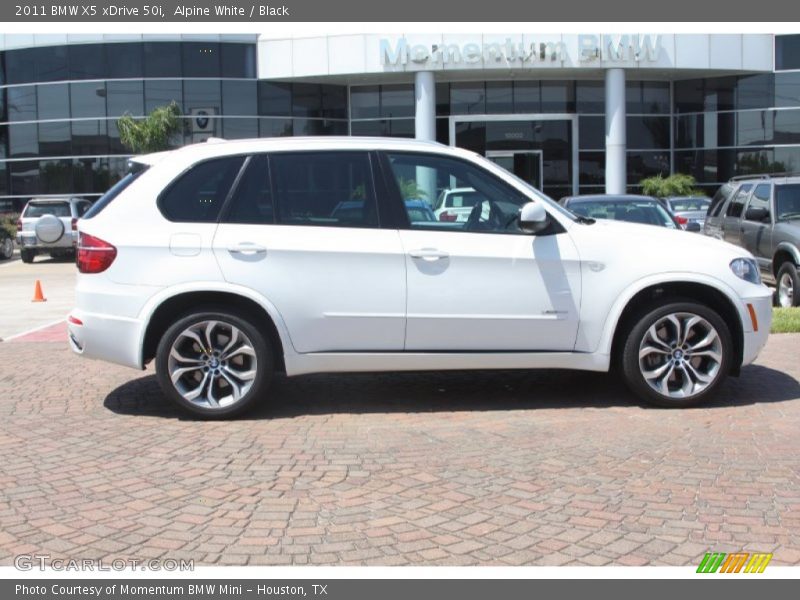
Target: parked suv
point(224, 262)
point(762, 215)
point(49, 226)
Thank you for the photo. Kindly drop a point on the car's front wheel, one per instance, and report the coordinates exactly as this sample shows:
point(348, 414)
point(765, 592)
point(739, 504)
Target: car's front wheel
point(677, 355)
point(214, 363)
point(788, 284)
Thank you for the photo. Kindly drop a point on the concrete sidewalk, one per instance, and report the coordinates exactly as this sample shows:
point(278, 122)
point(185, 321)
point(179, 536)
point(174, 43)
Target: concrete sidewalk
point(17, 280)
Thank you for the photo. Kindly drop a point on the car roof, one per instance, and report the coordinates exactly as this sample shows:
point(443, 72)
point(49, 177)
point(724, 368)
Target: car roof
point(218, 147)
point(609, 198)
point(52, 200)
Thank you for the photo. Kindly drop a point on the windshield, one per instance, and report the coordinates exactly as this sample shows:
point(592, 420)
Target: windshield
point(787, 202)
point(648, 213)
point(38, 209)
point(689, 204)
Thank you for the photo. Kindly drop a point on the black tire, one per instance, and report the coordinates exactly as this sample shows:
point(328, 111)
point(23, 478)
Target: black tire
point(6, 248)
point(264, 357)
point(788, 271)
point(26, 255)
point(630, 361)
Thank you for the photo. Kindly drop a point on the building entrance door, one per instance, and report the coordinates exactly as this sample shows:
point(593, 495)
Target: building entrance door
point(542, 149)
point(525, 164)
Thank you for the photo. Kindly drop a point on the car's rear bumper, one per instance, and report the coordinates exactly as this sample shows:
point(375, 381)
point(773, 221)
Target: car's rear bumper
point(758, 311)
point(103, 337)
point(28, 239)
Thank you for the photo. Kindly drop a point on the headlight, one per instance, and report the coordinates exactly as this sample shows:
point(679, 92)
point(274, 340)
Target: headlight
point(747, 269)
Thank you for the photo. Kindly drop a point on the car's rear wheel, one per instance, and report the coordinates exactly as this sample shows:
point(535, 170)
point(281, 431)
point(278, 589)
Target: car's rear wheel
point(27, 256)
point(214, 363)
point(6, 248)
point(677, 355)
point(788, 286)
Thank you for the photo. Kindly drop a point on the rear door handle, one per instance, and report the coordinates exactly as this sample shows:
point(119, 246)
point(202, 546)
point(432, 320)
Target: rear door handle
point(429, 254)
point(247, 248)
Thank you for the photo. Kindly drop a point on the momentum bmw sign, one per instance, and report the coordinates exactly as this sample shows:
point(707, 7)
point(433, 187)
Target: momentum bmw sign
point(590, 48)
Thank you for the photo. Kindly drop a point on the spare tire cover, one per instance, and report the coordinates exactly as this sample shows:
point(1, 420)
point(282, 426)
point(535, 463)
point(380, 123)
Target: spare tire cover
point(49, 229)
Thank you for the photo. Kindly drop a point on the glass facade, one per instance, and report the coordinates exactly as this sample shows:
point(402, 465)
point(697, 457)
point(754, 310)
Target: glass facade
point(59, 106)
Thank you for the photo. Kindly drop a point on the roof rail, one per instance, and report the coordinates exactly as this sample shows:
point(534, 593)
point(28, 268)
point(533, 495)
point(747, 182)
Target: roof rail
point(765, 176)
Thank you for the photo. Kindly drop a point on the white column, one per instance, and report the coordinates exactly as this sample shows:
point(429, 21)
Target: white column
point(615, 132)
point(425, 102)
point(425, 128)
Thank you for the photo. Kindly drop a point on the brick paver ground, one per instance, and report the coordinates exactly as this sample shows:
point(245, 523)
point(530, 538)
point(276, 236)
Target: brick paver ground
point(440, 468)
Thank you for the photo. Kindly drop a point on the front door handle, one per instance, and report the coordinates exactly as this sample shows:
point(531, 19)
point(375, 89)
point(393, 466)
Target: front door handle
point(429, 254)
point(247, 248)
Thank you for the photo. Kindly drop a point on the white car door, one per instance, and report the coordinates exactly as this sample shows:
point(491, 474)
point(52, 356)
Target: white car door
point(307, 239)
point(483, 285)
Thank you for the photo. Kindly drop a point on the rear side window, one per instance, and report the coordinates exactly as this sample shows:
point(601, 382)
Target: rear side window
point(135, 170)
point(737, 204)
point(38, 209)
point(197, 196)
point(332, 189)
point(252, 200)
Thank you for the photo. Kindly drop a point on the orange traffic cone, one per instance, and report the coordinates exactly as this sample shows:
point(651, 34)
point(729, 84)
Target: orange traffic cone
point(37, 293)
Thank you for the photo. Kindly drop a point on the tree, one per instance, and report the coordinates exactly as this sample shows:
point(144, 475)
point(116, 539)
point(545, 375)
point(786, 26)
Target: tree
point(151, 134)
point(674, 185)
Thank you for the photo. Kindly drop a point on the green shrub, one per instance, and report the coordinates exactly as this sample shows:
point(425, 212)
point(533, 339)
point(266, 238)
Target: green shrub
point(674, 185)
point(8, 221)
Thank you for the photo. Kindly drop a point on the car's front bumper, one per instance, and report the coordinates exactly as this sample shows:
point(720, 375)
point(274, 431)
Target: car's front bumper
point(757, 323)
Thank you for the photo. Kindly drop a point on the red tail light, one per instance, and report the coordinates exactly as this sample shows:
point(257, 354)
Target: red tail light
point(93, 254)
point(74, 224)
point(19, 225)
point(447, 216)
point(681, 220)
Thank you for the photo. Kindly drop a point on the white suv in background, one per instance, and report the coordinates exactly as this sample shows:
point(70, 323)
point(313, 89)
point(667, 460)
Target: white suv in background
point(226, 261)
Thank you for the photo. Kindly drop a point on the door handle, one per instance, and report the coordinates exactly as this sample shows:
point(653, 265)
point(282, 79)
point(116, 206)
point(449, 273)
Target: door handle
point(247, 248)
point(429, 254)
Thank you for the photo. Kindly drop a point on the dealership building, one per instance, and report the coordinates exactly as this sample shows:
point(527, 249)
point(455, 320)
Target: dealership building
point(572, 113)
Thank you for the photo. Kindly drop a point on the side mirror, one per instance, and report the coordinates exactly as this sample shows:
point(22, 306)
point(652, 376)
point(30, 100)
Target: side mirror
point(532, 217)
point(756, 214)
point(694, 227)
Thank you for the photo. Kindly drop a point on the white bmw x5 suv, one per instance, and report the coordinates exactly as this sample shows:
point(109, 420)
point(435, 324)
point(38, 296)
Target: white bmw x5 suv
point(227, 261)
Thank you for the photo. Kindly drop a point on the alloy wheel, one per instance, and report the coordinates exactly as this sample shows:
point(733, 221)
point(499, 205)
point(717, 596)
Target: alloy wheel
point(786, 291)
point(680, 355)
point(212, 364)
point(8, 248)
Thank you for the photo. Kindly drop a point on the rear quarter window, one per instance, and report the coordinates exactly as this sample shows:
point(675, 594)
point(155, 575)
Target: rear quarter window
point(197, 195)
point(719, 199)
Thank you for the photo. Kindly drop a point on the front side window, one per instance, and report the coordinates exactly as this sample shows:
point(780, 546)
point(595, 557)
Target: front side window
point(332, 189)
point(197, 196)
point(760, 201)
point(737, 204)
point(462, 196)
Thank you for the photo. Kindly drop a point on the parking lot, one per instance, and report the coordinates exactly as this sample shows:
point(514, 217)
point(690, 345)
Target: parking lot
point(500, 468)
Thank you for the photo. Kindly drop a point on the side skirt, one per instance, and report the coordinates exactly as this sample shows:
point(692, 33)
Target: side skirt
point(365, 362)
